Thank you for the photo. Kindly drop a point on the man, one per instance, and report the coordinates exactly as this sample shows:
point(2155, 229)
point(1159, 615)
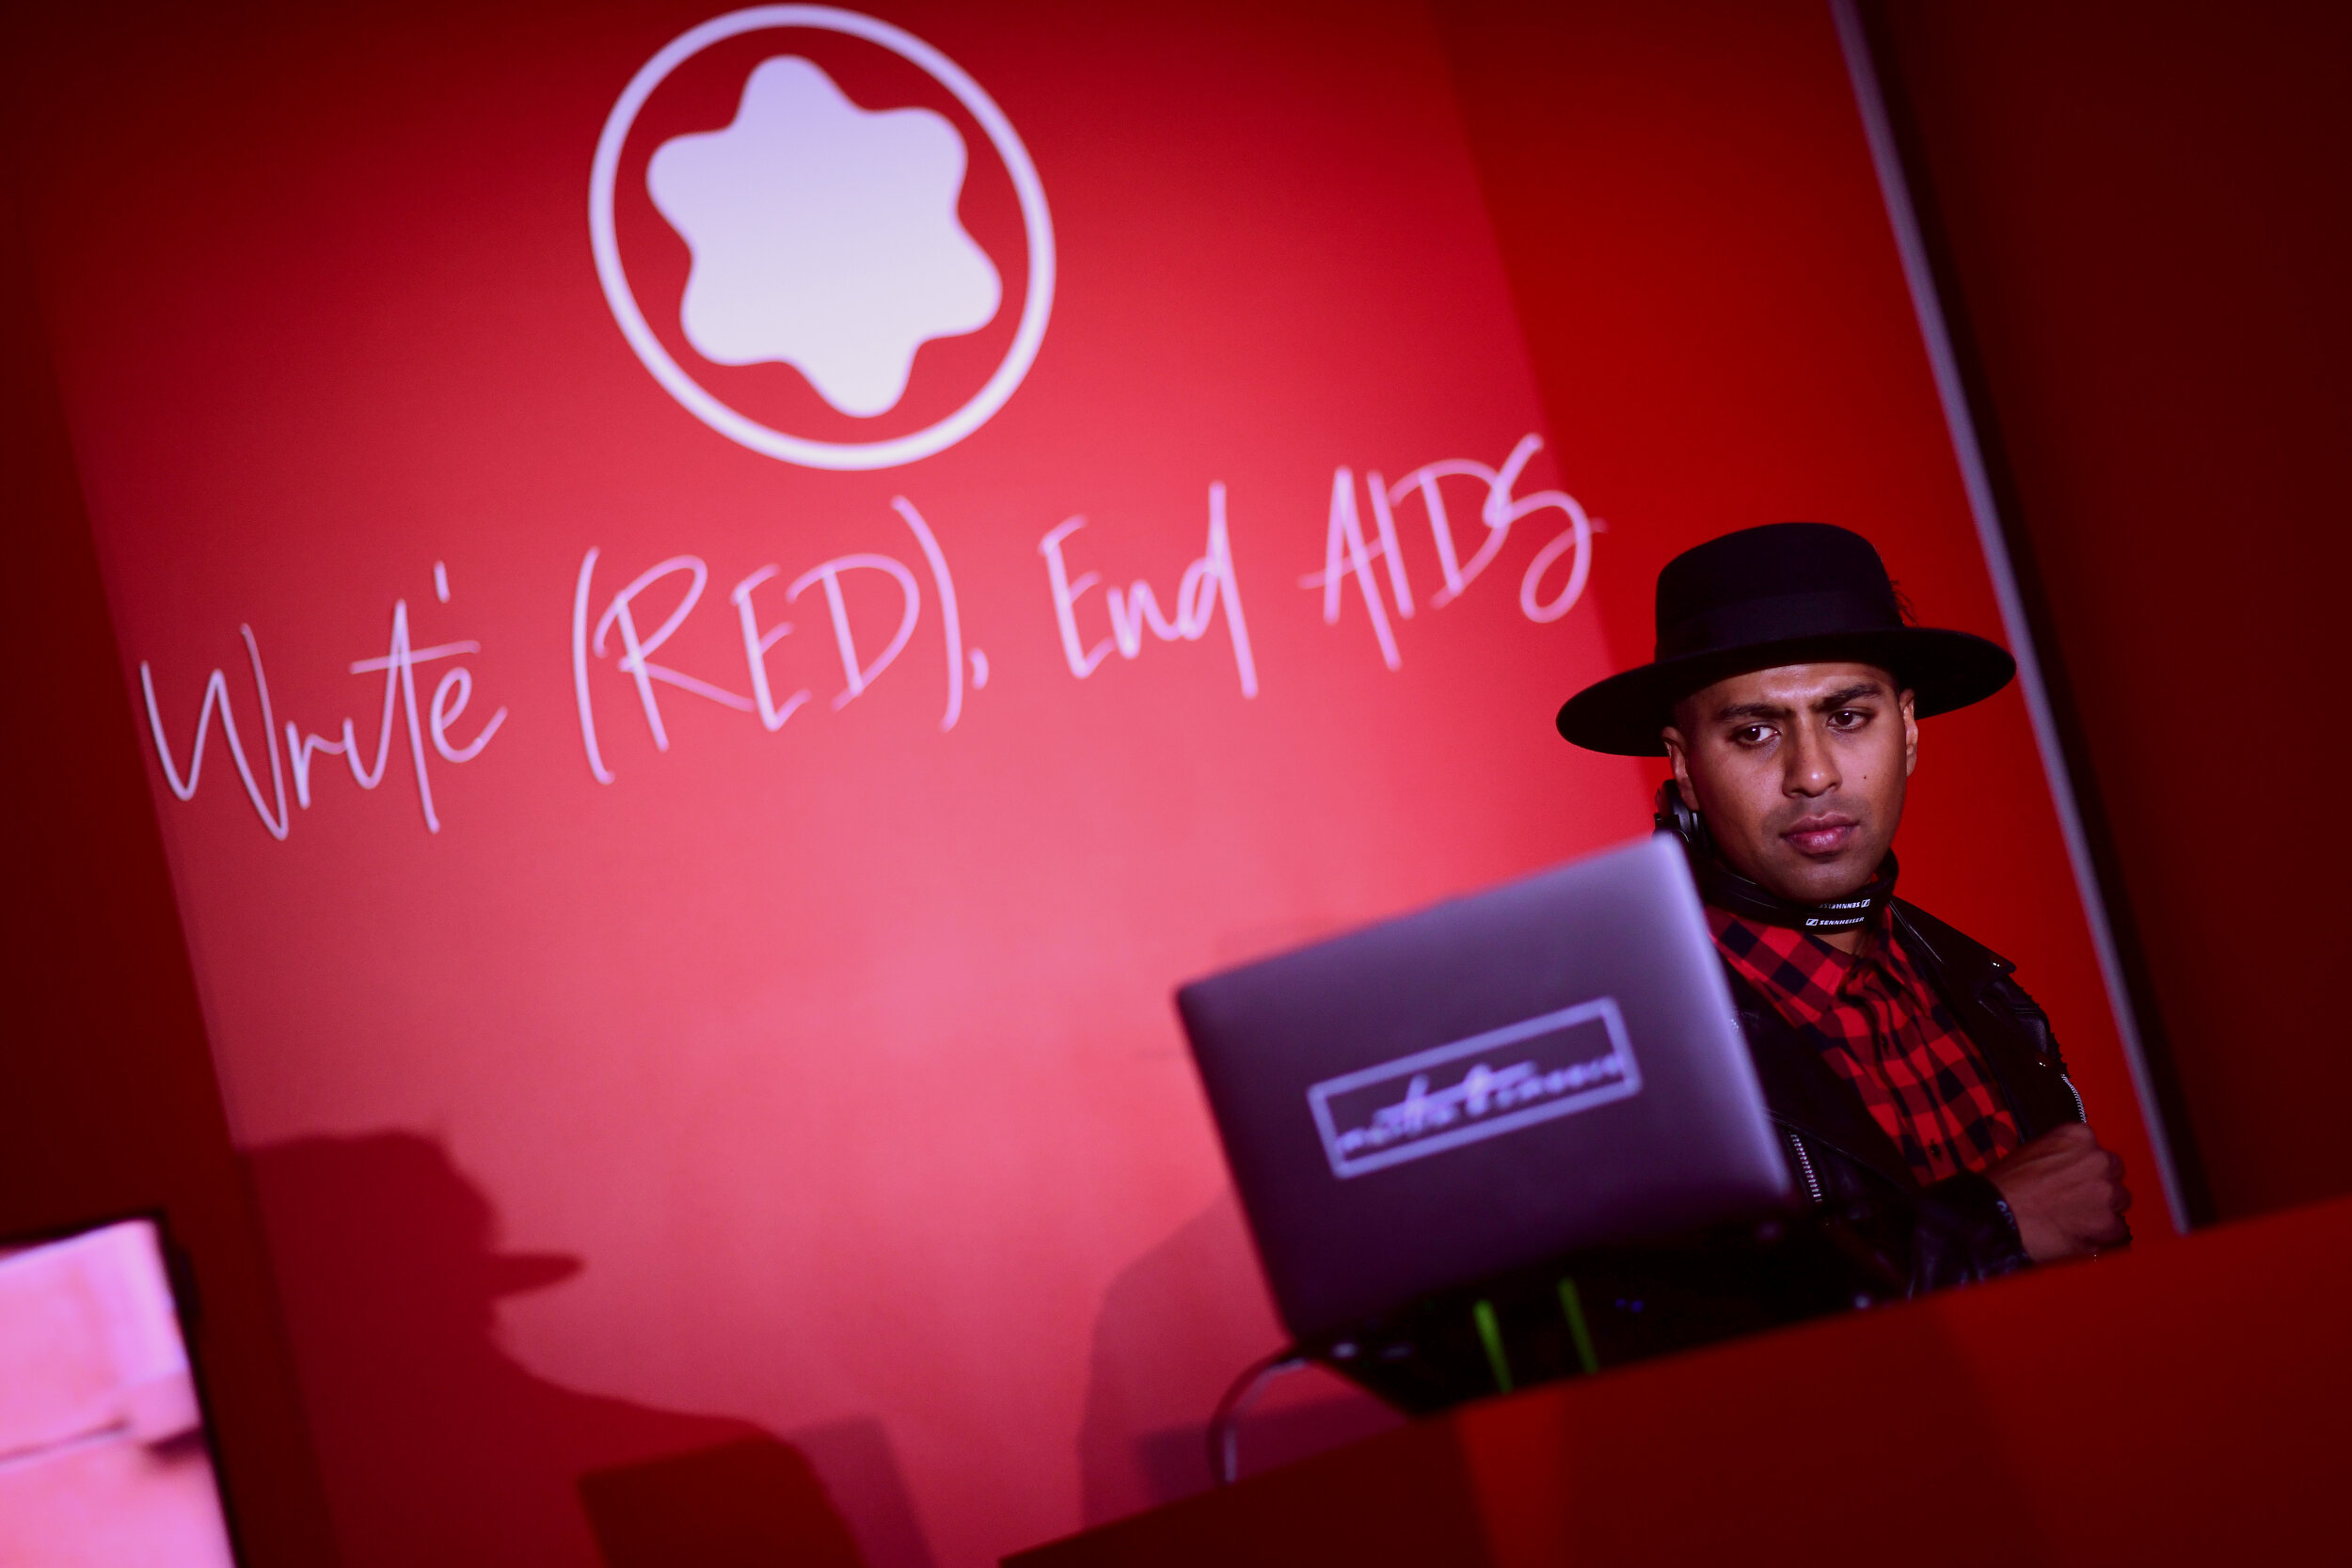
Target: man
point(1919, 1091)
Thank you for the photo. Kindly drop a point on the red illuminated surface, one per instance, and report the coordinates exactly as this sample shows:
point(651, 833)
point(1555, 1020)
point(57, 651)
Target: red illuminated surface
point(821, 1082)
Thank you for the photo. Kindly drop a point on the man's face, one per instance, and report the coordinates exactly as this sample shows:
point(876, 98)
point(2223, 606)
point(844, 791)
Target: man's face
point(1799, 771)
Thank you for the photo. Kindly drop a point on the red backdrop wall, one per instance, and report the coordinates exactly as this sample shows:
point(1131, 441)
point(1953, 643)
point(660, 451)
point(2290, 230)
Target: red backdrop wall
point(819, 1082)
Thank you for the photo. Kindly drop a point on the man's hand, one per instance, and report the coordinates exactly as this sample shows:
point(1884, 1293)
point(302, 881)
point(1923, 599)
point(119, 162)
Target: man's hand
point(2067, 1193)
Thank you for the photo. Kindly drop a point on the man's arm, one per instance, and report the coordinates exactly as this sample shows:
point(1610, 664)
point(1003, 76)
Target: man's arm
point(1956, 1231)
point(2061, 1197)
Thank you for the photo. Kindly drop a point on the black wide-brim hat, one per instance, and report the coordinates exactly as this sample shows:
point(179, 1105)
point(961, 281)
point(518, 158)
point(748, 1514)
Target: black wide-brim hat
point(1782, 593)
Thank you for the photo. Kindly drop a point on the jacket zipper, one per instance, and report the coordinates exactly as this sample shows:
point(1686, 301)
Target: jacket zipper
point(1804, 1163)
point(2081, 1114)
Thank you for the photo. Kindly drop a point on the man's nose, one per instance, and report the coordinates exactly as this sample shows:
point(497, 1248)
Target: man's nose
point(1812, 769)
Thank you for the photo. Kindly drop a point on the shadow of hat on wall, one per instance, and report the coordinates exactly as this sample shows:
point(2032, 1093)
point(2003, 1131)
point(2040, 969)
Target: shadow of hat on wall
point(438, 1447)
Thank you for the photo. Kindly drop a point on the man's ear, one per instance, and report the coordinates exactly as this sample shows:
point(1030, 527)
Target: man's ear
point(1909, 701)
point(1678, 754)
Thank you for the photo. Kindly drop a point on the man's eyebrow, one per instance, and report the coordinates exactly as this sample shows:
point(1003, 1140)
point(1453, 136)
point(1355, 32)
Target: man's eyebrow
point(1845, 694)
point(1750, 710)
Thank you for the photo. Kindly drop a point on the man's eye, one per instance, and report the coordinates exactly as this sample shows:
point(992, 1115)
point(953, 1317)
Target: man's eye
point(1847, 719)
point(1752, 735)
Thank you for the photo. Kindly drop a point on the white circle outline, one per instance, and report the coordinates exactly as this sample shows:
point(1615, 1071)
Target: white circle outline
point(1034, 219)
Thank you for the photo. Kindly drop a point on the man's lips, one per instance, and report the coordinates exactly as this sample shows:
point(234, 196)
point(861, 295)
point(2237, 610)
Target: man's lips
point(1821, 835)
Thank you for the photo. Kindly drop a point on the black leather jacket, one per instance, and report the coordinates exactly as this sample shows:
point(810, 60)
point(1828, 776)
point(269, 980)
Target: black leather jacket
point(1955, 1231)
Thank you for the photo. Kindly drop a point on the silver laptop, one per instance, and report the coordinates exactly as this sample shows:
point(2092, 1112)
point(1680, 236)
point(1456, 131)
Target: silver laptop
point(1485, 1085)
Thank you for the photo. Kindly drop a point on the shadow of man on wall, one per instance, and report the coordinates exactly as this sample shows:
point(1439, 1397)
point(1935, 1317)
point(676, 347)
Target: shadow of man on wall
point(439, 1448)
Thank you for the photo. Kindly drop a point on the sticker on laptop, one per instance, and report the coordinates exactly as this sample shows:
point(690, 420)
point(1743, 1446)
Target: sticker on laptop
point(1481, 1087)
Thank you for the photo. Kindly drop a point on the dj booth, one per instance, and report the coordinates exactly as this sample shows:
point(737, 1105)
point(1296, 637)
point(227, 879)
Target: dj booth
point(2023, 1412)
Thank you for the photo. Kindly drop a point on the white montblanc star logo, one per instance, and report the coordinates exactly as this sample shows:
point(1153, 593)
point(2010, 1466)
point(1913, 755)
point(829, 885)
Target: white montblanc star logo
point(824, 236)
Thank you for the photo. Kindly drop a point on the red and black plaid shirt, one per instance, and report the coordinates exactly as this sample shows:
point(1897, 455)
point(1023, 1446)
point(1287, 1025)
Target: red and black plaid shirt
point(1883, 1028)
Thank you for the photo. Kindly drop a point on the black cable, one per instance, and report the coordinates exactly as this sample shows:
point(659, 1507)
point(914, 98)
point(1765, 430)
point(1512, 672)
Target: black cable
point(1224, 1445)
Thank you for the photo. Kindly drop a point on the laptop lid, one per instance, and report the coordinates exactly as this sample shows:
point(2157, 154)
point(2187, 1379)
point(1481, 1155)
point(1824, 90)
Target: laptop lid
point(1500, 1080)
